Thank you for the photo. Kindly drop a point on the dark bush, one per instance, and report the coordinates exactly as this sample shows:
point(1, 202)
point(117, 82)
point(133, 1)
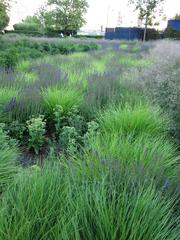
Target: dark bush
point(172, 33)
point(26, 27)
point(152, 34)
point(24, 49)
point(9, 58)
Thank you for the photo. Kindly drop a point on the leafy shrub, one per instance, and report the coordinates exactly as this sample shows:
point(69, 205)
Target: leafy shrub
point(92, 131)
point(8, 157)
point(69, 140)
point(9, 58)
point(58, 118)
point(137, 120)
point(36, 129)
point(16, 130)
point(171, 33)
point(26, 27)
point(70, 128)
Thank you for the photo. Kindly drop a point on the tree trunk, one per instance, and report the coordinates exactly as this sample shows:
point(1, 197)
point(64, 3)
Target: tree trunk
point(145, 29)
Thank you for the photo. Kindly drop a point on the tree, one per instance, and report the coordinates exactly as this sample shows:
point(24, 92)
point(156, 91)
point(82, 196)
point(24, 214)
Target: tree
point(4, 18)
point(147, 10)
point(177, 17)
point(66, 16)
point(34, 20)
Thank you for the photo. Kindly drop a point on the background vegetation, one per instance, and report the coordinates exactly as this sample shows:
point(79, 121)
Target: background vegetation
point(89, 140)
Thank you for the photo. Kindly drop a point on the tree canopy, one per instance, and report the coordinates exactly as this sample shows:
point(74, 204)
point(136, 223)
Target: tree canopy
point(66, 16)
point(177, 16)
point(147, 10)
point(4, 18)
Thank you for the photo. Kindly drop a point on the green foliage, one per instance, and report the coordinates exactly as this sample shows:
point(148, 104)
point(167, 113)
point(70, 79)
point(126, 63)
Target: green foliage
point(6, 96)
point(65, 16)
point(124, 46)
point(36, 129)
point(58, 203)
point(9, 58)
point(147, 10)
point(177, 16)
point(17, 52)
point(92, 131)
point(172, 33)
point(16, 130)
point(4, 18)
point(27, 27)
point(58, 118)
point(154, 154)
point(134, 120)
point(132, 62)
point(23, 67)
point(8, 157)
point(69, 140)
point(65, 97)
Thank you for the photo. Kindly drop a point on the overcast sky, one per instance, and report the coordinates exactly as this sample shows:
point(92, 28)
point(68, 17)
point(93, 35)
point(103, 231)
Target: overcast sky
point(100, 12)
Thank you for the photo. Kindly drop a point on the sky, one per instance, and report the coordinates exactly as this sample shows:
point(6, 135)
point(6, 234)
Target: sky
point(106, 13)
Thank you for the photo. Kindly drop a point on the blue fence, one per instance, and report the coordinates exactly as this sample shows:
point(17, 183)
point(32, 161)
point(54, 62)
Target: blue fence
point(174, 24)
point(124, 33)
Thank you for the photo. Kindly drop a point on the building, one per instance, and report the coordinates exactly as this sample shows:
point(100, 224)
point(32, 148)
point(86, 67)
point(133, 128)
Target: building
point(124, 33)
point(174, 24)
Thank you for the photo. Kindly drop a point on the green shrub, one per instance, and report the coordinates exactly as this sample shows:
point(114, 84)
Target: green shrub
point(16, 130)
point(172, 33)
point(69, 140)
point(137, 119)
point(26, 27)
point(8, 157)
point(9, 58)
point(36, 129)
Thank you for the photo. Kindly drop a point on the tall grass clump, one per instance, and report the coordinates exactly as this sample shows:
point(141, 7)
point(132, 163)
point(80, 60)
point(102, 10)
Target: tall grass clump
point(154, 155)
point(23, 67)
point(7, 95)
point(130, 61)
point(117, 211)
point(137, 119)
point(65, 97)
point(29, 103)
point(54, 203)
point(8, 157)
point(37, 206)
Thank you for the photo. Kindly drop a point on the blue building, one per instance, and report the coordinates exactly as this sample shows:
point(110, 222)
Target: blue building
point(124, 33)
point(174, 24)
